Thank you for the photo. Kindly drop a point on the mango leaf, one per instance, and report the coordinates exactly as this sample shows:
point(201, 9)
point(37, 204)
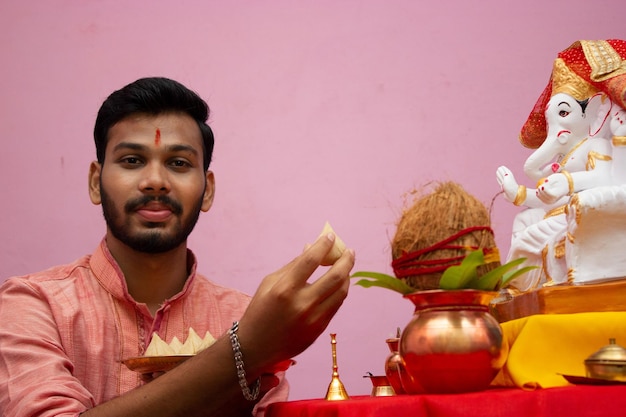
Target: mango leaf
point(491, 280)
point(455, 277)
point(514, 274)
point(460, 276)
point(378, 279)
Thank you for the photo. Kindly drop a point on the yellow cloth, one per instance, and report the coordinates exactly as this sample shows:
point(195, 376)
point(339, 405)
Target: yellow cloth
point(541, 347)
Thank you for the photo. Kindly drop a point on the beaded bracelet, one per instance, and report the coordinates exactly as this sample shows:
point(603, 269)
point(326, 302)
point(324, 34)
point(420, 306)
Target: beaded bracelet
point(248, 394)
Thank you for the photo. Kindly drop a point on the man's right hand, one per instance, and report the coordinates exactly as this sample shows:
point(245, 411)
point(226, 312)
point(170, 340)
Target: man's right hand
point(287, 313)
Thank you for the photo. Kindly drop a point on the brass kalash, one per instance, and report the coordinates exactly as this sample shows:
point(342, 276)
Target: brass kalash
point(336, 390)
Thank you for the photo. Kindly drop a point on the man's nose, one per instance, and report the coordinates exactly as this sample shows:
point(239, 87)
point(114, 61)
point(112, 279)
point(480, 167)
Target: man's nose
point(155, 178)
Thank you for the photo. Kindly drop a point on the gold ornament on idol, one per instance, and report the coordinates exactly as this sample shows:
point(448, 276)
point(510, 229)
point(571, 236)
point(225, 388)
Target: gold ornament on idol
point(604, 60)
point(520, 197)
point(619, 141)
point(592, 157)
point(570, 182)
point(571, 151)
point(564, 80)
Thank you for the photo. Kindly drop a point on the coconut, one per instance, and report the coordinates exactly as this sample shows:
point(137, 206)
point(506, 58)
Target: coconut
point(432, 218)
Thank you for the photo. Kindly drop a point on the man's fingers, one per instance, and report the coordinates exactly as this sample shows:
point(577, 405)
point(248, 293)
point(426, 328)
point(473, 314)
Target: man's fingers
point(329, 291)
point(336, 278)
point(311, 258)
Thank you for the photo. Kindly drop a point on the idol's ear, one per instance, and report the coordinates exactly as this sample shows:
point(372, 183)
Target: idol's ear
point(209, 191)
point(600, 105)
point(95, 170)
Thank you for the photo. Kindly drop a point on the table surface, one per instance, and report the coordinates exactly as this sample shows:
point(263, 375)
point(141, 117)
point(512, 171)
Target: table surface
point(573, 400)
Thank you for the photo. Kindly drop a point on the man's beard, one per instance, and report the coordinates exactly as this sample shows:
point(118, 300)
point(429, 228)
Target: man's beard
point(151, 241)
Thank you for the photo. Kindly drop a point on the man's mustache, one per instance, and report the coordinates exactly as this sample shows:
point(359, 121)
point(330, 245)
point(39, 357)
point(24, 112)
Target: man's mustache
point(171, 204)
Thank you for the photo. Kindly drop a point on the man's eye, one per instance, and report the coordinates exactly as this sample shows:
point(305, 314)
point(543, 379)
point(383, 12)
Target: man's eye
point(178, 163)
point(130, 160)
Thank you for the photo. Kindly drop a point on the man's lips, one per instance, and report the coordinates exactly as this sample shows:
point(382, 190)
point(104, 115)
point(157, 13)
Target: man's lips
point(154, 212)
point(154, 215)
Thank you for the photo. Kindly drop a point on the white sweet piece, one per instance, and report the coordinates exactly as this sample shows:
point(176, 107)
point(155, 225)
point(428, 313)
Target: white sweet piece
point(176, 345)
point(207, 341)
point(193, 344)
point(338, 247)
point(158, 347)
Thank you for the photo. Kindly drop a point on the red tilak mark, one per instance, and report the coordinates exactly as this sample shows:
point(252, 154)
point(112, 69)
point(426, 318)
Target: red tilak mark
point(157, 137)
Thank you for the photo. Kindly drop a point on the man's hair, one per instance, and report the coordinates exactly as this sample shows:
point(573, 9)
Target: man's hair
point(153, 96)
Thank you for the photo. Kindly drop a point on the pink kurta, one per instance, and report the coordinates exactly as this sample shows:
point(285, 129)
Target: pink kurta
point(65, 331)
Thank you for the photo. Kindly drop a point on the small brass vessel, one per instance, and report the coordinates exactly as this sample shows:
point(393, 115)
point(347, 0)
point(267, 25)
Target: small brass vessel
point(394, 365)
point(607, 363)
point(380, 385)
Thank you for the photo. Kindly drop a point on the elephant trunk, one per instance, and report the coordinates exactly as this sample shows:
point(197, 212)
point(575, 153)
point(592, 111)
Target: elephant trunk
point(539, 164)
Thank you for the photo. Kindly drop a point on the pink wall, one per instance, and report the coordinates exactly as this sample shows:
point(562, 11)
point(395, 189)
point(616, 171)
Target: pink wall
point(323, 110)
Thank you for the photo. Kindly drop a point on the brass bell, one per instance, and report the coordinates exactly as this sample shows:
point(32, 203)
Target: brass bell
point(336, 390)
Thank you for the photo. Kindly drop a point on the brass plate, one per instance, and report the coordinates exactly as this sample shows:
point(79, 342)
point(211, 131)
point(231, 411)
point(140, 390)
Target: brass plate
point(149, 364)
point(583, 380)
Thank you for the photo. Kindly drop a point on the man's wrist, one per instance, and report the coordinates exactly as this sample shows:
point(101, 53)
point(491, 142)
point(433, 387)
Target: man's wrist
point(250, 394)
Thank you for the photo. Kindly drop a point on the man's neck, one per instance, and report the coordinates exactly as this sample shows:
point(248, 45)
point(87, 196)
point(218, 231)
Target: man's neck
point(151, 278)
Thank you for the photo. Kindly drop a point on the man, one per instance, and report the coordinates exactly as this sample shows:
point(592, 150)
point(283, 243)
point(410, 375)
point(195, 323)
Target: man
point(64, 332)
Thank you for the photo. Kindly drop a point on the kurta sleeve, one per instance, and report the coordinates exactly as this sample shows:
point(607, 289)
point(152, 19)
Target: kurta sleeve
point(36, 375)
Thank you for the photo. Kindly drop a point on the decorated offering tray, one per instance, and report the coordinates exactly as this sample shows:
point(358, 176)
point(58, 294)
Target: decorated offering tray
point(565, 299)
point(161, 356)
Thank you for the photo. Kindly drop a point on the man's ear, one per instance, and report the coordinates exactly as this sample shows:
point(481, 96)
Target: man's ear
point(209, 191)
point(94, 182)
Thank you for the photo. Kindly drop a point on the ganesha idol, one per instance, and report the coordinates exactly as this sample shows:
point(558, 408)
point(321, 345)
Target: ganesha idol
point(573, 225)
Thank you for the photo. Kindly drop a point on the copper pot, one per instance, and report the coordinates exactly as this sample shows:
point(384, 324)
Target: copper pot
point(452, 344)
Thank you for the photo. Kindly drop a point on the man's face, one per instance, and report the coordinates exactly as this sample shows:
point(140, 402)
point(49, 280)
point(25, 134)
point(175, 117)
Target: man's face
point(152, 185)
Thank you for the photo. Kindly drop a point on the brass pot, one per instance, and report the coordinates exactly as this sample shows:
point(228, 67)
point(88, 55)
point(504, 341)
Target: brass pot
point(607, 363)
point(452, 344)
point(380, 386)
